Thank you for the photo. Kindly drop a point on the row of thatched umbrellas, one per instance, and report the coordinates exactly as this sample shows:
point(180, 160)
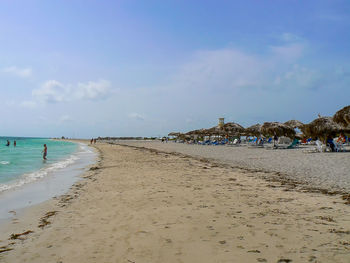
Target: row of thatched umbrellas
point(321, 127)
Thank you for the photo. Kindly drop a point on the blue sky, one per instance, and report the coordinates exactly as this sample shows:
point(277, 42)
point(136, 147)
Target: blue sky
point(145, 68)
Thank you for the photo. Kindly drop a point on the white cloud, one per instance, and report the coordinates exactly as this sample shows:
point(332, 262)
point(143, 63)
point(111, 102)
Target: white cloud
point(234, 70)
point(136, 116)
point(19, 72)
point(299, 78)
point(93, 90)
point(220, 69)
point(232, 73)
point(53, 91)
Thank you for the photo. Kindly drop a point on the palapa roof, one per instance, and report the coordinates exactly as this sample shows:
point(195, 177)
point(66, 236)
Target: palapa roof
point(214, 131)
point(322, 127)
point(233, 128)
point(174, 134)
point(343, 116)
point(277, 128)
point(294, 124)
point(254, 130)
point(230, 128)
point(195, 132)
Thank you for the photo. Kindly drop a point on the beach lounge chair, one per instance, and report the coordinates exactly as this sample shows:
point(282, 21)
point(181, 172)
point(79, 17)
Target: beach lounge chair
point(235, 142)
point(257, 143)
point(252, 142)
point(320, 147)
point(214, 143)
point(339, 147)
point(293, 144)
point(207, 142)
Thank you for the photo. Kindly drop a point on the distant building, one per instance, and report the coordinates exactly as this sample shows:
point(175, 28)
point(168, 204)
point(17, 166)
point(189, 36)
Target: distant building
point(221, 122)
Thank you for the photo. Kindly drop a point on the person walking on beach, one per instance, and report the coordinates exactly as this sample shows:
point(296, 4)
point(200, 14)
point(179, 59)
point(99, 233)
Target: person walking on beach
point(44, 152)
point(275, 139)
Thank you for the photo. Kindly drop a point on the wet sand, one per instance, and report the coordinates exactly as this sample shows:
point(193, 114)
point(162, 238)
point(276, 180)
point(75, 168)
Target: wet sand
point(141, 205)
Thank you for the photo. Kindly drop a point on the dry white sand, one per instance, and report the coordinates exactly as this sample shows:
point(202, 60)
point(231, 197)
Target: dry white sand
point(145, 206)
point(328, 170)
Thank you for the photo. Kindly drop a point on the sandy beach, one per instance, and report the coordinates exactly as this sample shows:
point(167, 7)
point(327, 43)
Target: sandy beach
point(147, 205)
point(301, 166)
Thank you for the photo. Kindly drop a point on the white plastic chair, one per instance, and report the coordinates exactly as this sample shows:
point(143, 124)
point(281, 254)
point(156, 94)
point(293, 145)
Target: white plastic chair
point(320, 147)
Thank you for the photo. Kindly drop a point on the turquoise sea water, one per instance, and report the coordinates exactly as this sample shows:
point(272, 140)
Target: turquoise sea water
point(24, 163)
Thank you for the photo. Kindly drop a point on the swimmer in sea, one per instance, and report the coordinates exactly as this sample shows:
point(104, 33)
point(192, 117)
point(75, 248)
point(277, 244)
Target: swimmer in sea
point(44, 152)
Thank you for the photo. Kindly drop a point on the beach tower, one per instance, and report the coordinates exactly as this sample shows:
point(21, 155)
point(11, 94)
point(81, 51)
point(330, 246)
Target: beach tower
point(221, 122)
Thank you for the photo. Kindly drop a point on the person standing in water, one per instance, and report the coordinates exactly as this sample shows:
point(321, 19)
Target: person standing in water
point(8, 143)
point(44, 152)
point(14, 143)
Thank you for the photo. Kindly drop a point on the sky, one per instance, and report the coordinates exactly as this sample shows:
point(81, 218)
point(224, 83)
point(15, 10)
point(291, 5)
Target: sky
point(89, 68)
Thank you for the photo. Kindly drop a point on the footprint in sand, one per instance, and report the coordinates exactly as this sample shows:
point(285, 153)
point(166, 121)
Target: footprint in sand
point(254, 251)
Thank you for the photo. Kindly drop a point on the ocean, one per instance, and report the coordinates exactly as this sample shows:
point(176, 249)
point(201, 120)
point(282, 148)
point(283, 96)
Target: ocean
point(26, 179)
point(24, 163)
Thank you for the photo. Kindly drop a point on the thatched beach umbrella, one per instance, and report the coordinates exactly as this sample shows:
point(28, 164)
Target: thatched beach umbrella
point(322, 127)
point(214, 131)
point(254, 130)
point(294, 124)
point(195, 132)
point(277, 128)
point(232, 128)
point(343, 116)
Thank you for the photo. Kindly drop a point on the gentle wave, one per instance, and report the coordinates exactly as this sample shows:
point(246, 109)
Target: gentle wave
point(4, 162)
point(31, 177)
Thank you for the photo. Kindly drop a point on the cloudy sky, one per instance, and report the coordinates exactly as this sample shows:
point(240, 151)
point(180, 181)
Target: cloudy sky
point(145, 68)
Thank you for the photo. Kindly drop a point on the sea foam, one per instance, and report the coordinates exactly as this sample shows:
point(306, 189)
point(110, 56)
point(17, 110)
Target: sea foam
point(43, 172)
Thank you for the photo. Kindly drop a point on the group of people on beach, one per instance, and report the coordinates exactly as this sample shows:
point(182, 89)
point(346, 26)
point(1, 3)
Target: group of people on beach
point(93, 140)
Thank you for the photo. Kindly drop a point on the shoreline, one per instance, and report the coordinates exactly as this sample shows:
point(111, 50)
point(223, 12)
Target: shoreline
point(143, 205)
point(55, 183)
